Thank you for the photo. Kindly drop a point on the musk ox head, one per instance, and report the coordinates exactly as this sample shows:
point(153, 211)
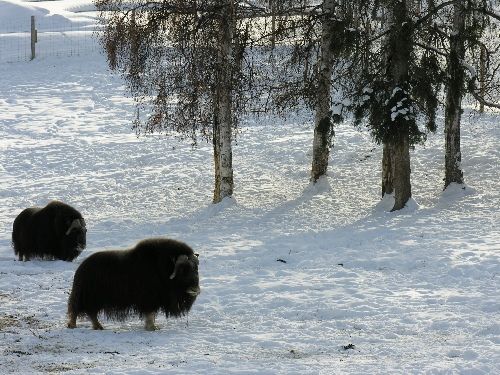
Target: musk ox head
point(185, 274)
point(56, 231)
point(75, 232)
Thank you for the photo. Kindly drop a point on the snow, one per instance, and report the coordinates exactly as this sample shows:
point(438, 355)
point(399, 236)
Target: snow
point(16, 11)
point(296, 278)
point(470, 69)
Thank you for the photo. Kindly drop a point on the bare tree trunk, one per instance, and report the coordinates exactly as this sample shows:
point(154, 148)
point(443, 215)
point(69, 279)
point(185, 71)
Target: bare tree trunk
point(387, 152)
point(482, 76)
point(272, 4)
point(401, 165)
point(323, 126)
point(396, 170)
point(454, 94)
point(387, 170)
point(223, 119)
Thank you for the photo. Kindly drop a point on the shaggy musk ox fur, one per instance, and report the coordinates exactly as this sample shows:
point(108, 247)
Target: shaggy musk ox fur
point(156, 274)
point(56, 231)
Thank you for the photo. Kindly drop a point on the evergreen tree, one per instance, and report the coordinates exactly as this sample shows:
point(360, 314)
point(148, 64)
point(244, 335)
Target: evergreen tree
point(397, 88)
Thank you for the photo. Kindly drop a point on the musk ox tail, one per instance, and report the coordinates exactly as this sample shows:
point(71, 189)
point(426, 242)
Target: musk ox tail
point(73, 303)
point(20, 240)
point(14, 244)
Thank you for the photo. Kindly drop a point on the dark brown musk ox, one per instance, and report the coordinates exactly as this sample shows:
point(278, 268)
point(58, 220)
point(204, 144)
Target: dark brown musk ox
point(158, 274)
point(56, 231)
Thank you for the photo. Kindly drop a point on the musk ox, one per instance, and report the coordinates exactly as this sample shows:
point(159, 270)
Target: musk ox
point(156, 274)
point(56, 231)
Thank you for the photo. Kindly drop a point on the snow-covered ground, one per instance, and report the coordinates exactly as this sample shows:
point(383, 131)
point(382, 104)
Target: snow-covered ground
point(295, 279)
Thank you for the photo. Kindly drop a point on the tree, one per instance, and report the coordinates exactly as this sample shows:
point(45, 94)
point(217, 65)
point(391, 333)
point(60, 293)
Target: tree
point(393, 93)
point(183, 63)
point(454, 94)
point(223, 118)
point(323, 126)
point(339, 51)
point(470, 20)
point(399, 48)
point(313, 42)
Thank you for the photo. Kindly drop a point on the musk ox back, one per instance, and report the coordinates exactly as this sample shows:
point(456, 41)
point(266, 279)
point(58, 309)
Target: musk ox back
point(56, 231)
point(158, 274)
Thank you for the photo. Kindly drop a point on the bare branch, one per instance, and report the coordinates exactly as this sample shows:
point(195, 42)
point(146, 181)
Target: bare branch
point(483, 101)
point(474, 91)
point(430, 48)
point(378, 36)
point(431, 13)
point(487, 12)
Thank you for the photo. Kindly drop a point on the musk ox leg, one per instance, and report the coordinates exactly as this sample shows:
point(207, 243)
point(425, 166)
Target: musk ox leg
point(150, 322)
point(95, 322)
point(72, 321)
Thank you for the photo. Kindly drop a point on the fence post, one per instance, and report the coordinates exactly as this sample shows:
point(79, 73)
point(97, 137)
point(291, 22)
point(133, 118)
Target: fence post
point(33, 37)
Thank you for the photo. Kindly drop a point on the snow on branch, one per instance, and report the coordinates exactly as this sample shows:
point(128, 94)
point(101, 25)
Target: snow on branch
point(470, 69)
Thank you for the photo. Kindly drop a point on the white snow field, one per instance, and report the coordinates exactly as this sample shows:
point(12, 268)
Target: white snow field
point(295, 279)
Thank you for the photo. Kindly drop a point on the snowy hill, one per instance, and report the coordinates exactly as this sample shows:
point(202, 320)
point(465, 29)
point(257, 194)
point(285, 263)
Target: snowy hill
point(295, 279)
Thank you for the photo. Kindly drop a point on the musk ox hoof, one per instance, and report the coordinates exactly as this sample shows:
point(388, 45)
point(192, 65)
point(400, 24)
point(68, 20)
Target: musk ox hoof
point(71, 321)
point(150, 322)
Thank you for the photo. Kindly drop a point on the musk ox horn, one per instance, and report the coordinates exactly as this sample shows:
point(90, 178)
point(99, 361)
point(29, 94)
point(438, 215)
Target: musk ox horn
point(194, 291)
point(180, 260)
point(76, 224)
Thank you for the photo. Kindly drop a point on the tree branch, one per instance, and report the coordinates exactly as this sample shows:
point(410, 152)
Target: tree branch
point(487, 12)
point(483, 101)
point(473, 90)
point(433, 12)
point(430, 48)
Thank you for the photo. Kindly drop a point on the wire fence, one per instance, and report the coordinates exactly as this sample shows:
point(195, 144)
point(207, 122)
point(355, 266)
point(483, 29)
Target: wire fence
point(56, 36)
